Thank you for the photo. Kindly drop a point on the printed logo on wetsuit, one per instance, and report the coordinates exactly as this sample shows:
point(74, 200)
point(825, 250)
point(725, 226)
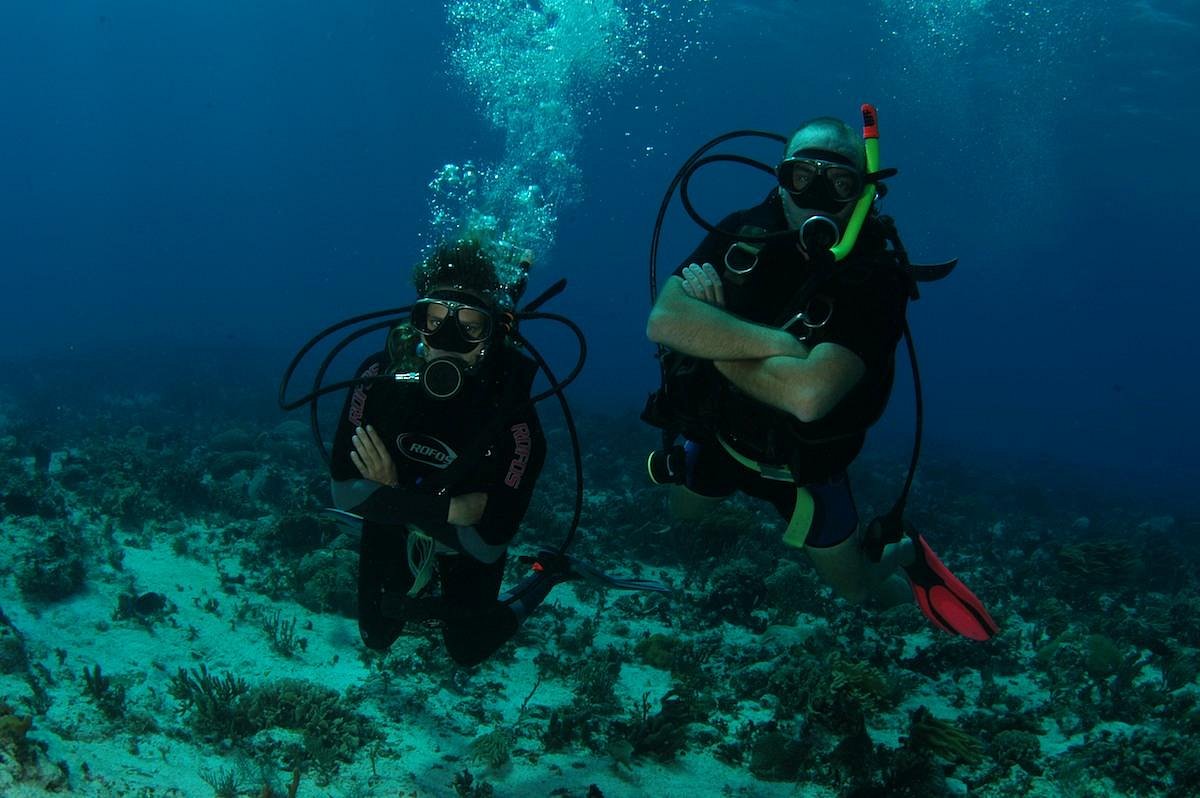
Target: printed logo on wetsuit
point(358, 401)
point(521, 449)
point(425, 449)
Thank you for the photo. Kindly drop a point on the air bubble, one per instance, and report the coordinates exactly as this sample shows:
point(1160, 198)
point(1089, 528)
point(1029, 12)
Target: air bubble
point(539, 70)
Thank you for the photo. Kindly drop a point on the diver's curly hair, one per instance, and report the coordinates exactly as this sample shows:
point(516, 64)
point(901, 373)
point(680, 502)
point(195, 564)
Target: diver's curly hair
point(468, 265)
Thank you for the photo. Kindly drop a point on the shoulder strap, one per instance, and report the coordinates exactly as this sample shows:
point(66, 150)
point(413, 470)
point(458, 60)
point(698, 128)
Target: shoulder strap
point(915, 272)
point(742, 255)
point(822, 269)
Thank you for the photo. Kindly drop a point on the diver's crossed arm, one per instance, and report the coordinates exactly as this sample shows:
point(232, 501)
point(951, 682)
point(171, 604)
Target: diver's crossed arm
point(396, 506)
point(387, 504)
point(807, 388)
point(700, 329)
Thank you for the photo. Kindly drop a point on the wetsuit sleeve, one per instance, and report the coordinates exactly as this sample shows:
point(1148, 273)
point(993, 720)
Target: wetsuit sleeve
point(521, 452)
point(397, 506)
point(375, 502)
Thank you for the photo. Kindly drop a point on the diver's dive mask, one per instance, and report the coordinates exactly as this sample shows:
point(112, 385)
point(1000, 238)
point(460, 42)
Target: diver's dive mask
point(820, 179)
point(452, 321)
point(448, 320)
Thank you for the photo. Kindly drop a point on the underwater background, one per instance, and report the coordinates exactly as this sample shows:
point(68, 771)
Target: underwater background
point(193, 189)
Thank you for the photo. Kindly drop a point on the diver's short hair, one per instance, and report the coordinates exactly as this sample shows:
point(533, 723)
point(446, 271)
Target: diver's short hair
point(831, 134)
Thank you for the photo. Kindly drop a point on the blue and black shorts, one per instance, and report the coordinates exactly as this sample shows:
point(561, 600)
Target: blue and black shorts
point(818, 514)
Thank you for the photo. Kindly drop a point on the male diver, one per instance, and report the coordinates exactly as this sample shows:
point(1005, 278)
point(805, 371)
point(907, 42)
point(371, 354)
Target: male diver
point(778, 359)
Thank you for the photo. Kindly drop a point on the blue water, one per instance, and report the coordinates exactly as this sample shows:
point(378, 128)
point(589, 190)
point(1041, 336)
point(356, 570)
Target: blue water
point(191, 189)
point(230, 177)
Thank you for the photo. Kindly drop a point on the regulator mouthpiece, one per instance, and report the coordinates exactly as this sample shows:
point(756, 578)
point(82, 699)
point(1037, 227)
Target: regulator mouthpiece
point(442, 378)
point(819, 233)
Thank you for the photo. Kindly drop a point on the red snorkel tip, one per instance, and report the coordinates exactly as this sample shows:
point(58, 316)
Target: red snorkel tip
point(870, 121)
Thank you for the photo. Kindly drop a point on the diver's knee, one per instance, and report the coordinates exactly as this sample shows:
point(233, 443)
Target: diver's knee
point(687, 505)
point(842, 567)
point(465, 653)
point(854, 592)
point(865, 591)
point(375, 640)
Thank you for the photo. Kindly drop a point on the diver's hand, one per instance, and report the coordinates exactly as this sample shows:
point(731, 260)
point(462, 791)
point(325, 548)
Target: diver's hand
point(703, 283)
point(371, 457)
point(466, 510)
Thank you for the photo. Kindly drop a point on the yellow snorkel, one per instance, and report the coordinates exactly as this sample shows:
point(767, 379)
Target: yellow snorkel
point(871, 145)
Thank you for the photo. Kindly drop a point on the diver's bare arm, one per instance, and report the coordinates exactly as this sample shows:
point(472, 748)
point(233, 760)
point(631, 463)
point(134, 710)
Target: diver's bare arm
point(808, 388)
point(699, 329)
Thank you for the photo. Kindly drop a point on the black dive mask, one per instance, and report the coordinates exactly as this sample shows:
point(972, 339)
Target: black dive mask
point(819, 197)
point(452, 321)
point(820, 180)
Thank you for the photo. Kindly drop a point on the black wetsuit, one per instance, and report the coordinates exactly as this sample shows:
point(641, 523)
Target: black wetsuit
point(487, 439)
point(860, 306)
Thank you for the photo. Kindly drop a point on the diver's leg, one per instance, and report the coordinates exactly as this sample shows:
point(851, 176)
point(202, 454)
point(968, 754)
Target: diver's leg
point(475, 622)
point(382, 572)
point(846, 568)
point(824, 522)
point(687, 505)
point(708, 482)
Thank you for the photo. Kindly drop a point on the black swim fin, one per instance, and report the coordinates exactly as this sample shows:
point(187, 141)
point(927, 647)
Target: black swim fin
point(349, 523)
point(551, 562)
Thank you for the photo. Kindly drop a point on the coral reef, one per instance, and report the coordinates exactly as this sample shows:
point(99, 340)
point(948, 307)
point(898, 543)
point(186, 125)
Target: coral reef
point(13, 656)
point(1018, 747)
point(14, 733)
point(735, 589)
point(493, 749)
point(662, 734)
point(215, 705)
point(1097, 565)
point(942, 739)
point(53, 568)
point(227, 708)
point(108, 698)
point(750, 665)
point(776, 756)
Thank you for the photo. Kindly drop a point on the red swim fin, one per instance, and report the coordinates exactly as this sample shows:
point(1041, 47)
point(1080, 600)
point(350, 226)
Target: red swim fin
point(944, 599)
